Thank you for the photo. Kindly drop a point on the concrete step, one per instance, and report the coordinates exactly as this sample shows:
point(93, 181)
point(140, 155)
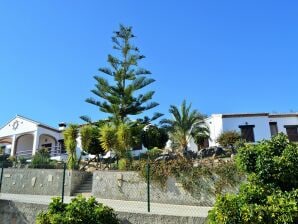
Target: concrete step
point(85, 187)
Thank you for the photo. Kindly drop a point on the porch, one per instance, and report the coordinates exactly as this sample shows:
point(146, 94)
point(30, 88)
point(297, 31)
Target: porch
point(24, 137)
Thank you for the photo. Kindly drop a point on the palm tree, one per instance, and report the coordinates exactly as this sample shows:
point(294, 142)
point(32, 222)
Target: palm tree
point(185, 123)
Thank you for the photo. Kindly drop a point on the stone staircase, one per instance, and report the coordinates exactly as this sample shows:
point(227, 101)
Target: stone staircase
point(85, 188)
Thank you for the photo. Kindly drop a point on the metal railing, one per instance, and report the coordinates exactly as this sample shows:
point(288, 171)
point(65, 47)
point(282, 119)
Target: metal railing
point(53, 151)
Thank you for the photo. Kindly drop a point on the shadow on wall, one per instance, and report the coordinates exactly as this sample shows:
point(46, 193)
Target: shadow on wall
point(16, 213)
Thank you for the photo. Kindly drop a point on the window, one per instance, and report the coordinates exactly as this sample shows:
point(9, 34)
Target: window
point(247, 132)
point(273, 128)
point(61, 145)
point(292, 132)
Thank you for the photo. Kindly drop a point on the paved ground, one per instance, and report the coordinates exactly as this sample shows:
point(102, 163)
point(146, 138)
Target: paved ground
point(121, 206)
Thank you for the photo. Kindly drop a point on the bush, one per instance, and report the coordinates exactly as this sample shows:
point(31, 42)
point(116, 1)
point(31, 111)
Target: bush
point(192, 178)
point(79, 211)
point(228, 139)
point(123, 164)
point(271, 193)
point(42, 160)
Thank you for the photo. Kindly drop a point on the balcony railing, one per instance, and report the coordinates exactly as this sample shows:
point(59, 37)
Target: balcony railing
point(53, 151)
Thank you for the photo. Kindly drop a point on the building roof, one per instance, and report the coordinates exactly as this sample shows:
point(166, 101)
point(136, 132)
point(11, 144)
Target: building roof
point(35, 122)
point(245, 115)
point(270, 115)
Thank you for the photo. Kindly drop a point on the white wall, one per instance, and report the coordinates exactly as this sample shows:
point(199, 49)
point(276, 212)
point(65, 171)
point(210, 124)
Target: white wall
point(282, 121)
point(261, 129)
point(215, 126)
point(218, 124)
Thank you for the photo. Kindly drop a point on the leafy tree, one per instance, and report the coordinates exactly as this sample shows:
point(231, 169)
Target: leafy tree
point(119, 97)
point(183, 125)
point(155, 137)
point(79, 211)
point(229, 139)
point(70, 141)
point(90, 139)
point(271, 193)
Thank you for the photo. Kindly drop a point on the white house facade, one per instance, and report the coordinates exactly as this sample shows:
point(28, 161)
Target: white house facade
point(253, 127)
point(24, 137)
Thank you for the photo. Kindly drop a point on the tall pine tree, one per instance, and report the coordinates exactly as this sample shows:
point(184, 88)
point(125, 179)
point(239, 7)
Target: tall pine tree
point(119, 95)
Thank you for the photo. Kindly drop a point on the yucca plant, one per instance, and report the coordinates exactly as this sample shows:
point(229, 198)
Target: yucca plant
point(70, 141)
point(116, 138)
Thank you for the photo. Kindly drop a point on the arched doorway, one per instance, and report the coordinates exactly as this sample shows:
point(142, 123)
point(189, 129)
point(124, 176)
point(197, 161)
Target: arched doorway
point(49, 142)
point(24, 145)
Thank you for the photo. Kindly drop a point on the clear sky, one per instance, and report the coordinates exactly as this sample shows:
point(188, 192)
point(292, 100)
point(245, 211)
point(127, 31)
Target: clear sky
point(223, 56)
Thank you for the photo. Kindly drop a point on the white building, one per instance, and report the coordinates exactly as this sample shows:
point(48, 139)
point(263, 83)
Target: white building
point(253, 126)
point(23, 137)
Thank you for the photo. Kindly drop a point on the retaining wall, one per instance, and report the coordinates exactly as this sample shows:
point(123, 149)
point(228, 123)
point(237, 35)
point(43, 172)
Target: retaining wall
point(40, 181)
point(25, 213)
point(132, 187)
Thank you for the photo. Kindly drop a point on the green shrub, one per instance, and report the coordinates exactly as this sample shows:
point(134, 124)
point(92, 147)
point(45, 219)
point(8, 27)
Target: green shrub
point(224, 174)
point(229, 139)
point(123, 164)
point(79, 211)
point(22, 160)
point(41, 159)
point(271, 193)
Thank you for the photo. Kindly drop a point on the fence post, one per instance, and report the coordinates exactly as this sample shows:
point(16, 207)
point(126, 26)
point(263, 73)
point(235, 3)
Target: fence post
point(2, 168)
point(148, 183)
point(63, 181)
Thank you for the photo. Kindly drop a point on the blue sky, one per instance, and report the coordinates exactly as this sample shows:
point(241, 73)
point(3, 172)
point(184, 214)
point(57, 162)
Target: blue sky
point(223, 56)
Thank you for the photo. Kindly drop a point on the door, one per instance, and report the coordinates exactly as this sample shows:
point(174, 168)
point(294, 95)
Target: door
point(292, 132)
point(247, 133)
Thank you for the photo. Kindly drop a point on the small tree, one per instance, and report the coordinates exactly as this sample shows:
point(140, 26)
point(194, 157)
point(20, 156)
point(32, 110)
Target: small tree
point(90, 141)
point(70, 141)
point(228, 139)
point(271, 193)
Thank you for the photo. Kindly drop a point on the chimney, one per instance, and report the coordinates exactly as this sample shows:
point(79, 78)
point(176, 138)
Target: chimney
point(62, 126)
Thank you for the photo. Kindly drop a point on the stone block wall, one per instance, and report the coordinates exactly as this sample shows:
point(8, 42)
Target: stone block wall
point(25, 213)
point(132, 187)
point(40, 181)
